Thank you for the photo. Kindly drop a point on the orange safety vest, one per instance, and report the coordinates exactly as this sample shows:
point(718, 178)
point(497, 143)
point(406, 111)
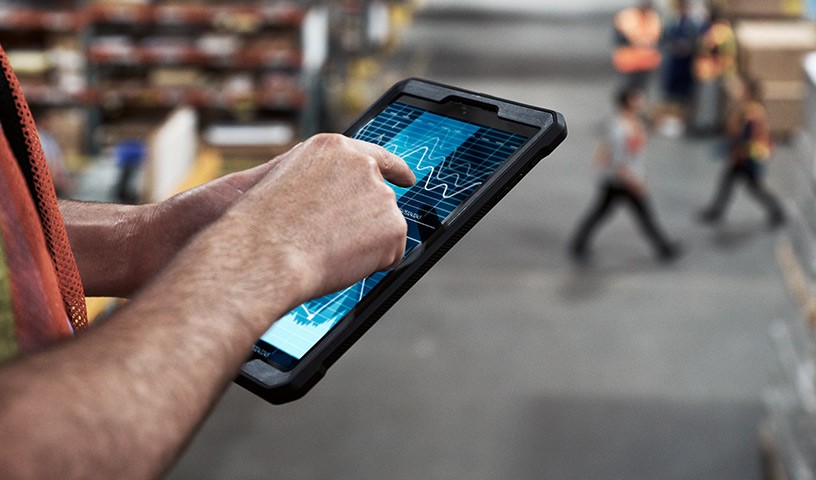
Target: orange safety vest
point(41, 294)
point(641, 33)
point(718, 53)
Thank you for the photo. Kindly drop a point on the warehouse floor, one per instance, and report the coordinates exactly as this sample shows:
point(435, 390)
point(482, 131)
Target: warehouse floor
point(507, 361)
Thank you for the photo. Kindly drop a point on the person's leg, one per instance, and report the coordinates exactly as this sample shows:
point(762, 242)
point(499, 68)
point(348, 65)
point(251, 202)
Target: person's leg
point(757, 188)
point(641, 206)
point(597, 214)
point(722, 195)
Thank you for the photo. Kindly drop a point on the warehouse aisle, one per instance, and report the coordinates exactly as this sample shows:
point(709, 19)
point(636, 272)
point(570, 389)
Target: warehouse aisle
point(507, 361)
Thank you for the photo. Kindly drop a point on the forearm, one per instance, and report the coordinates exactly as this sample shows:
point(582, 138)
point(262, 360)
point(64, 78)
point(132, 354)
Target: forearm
point(104, 238)
point(123, 399)
point(120, 247)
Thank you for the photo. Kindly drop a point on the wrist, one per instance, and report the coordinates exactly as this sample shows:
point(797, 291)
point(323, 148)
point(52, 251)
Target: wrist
point(103, 238)
point(137, 262)
point(251, 273)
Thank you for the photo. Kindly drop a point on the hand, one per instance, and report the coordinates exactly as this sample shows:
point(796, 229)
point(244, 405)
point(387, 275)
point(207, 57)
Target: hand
point(632, 181)
point(323, 213)
point(638, 188)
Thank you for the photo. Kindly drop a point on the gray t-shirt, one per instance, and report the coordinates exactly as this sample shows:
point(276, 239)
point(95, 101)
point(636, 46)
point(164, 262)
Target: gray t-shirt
point(626, 140)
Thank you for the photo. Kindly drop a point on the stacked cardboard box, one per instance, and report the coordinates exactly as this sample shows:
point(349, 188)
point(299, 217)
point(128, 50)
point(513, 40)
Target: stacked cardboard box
point(772, 53)
point(762, 8)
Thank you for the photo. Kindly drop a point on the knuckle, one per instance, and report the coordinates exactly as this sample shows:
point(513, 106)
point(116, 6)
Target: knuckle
point(371, 163)
point(387, 159)
point(328, 140)
point(387, 192)
point(403, 232)
point(400, 226)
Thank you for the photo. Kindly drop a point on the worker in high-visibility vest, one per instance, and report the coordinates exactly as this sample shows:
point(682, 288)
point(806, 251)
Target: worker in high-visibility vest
point(751, 149)
point(717, 54)
point(680, 39)
point(715, 68)
point(637, 55)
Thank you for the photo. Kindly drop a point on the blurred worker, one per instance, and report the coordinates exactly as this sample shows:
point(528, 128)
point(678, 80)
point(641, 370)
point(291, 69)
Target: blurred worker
point(637, 32)
point(680, 40)
point(750, 150)
point(714, 66)
point(620, 161)
point(130, 155)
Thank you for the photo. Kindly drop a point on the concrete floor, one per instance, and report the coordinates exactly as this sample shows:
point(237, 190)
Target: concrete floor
point(506, 361)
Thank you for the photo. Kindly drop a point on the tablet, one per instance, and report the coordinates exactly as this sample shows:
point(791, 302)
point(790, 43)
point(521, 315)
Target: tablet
point(467, 151)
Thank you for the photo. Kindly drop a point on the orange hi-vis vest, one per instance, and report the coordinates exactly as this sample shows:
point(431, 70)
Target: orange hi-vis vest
point(41, 294)
point(640, 31)
point(718, 53)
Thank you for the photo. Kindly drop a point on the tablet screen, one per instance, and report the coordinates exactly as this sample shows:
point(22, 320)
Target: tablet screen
point(450, 156)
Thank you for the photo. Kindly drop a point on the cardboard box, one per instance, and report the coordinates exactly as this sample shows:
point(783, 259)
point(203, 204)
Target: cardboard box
point(784, 103)
point(775, 50)
point(175, 77)
point(69, 127)
point(762, 8)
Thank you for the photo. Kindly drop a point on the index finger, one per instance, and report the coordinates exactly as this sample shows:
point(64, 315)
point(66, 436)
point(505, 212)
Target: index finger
point(393, 168)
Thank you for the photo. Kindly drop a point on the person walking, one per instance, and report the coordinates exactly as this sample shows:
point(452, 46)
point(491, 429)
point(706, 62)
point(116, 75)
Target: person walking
point(621, 179)
point(750, 150)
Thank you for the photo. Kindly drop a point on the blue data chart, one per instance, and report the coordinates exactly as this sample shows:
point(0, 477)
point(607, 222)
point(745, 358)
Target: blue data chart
point(450, 158)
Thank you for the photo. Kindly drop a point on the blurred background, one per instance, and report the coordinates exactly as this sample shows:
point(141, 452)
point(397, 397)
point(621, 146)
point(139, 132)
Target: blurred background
point(507, 360)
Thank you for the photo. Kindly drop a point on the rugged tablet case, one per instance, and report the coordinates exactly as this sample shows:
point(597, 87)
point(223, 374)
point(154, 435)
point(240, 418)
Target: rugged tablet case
point(279, 387)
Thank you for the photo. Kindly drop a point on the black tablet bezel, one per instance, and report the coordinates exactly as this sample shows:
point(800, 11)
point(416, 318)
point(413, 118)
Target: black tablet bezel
point(476, 115)
point(545, 129)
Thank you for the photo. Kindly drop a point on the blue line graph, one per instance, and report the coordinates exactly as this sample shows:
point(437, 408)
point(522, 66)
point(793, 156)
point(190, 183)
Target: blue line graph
point(450, 159)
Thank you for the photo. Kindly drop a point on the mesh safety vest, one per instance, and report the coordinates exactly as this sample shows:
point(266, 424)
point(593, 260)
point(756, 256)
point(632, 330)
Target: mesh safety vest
point(639, 35)
point(41, 295)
